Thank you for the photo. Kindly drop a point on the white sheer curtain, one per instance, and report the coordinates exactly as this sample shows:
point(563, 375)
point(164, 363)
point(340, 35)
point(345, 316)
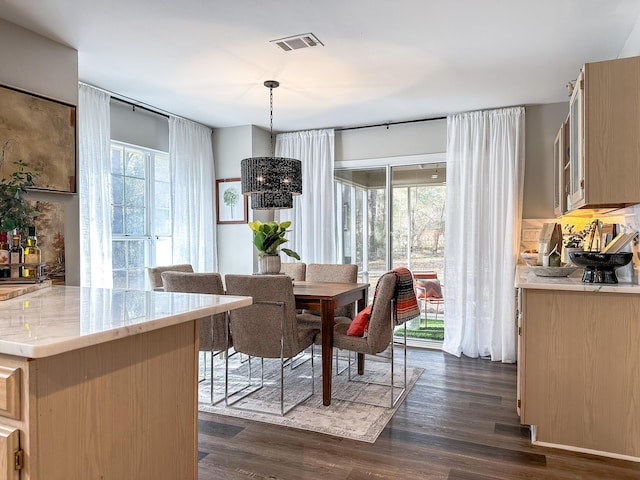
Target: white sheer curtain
point(313, 229)
point(485, 172)
point(193, 177)
point(94, 171)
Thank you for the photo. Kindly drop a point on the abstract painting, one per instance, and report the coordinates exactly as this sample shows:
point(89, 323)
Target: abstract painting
point(41, 133)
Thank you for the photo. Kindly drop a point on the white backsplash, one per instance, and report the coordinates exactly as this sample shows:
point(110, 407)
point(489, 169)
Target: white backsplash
point(627, 218)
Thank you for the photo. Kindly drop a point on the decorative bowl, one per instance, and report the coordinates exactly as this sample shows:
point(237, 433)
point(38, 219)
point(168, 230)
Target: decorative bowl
point(600, 267)
point(563, 271)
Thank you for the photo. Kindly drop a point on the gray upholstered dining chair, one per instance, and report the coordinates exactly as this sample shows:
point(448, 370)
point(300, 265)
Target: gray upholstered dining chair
point(213, 329)
point(331, 272)
point(328, 272)
point(155, 273)
point(268, 328)
point(380, 336)
point(295, 270)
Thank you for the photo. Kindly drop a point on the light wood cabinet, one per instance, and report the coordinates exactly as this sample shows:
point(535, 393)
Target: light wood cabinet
point(11, 455)
point(520, 347)
point(121, 409)
point(580, 370)
point(604, 144)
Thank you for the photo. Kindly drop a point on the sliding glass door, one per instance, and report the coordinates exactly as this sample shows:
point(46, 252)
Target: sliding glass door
point(417, 219)
point(361, 205)
point(393, 216)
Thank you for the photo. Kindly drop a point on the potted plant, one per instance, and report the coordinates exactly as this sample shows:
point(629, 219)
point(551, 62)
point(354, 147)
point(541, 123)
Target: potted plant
point(268, 238)
point(15, 212)
point(573, 241)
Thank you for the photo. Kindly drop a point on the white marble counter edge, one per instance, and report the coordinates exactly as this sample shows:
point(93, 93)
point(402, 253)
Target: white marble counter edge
point(525, 278)
point(62, 345)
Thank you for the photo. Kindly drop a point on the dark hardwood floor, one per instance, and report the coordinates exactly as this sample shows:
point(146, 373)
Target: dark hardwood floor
point(458, 423)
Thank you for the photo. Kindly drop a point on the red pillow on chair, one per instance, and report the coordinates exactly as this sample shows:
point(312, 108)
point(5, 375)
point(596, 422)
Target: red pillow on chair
point(360, 323)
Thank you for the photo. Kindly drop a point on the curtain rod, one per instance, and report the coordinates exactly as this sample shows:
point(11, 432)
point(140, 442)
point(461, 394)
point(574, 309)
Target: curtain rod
point(141, 107)
point(134, 103)
point(149, 108)
point(389, 123)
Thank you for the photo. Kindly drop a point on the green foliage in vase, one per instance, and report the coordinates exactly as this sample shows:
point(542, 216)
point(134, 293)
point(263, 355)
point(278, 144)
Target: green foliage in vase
point(268, 236)
point(575, 239)
point(15, 211)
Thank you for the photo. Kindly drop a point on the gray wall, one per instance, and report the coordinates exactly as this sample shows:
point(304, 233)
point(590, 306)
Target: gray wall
point(397, 140)
point(542, 125)
point(632, 45)
point(230, 145)
point(139, 127)
point(42, 66)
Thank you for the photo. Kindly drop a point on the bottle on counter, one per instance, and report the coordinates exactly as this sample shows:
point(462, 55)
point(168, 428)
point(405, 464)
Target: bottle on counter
point(16, 257)
point(5, 269)
point(32, 255)
point(543, 255)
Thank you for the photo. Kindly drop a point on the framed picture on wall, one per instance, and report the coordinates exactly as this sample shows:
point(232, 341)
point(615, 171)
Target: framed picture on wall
point(40, 132)
point(50, 230)
point(231, 205)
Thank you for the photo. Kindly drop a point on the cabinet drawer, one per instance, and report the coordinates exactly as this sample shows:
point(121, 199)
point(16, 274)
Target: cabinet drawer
point(10, 392)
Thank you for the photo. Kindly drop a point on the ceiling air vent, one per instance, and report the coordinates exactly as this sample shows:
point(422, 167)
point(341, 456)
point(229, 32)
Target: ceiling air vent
point(297, 42)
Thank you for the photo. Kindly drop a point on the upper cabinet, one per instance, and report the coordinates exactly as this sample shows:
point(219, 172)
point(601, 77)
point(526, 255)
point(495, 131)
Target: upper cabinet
point(561, 170)
point(604, 137)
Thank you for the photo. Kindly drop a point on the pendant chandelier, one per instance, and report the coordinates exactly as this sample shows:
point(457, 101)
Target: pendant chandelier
point(271, 181)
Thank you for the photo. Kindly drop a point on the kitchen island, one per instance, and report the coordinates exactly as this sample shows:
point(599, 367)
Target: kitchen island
point(579, 364)
point(101, 384)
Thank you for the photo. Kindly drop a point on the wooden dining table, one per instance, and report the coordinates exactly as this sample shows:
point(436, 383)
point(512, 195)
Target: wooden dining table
point(325, 297)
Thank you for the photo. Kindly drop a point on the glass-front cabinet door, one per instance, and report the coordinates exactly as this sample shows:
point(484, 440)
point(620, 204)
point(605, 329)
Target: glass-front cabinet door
point(561, 170)
point(576, 197)
point(558, 204)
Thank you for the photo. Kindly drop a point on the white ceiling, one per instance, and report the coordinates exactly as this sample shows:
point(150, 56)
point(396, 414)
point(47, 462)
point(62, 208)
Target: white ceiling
point(383, 61)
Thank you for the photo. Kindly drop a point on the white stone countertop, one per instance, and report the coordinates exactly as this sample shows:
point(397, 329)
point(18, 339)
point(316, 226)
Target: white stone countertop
point(60, 319)
point(525, 278)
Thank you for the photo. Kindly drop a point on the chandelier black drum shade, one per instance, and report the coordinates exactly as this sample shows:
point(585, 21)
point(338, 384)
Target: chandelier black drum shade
point(271, 200)
point(271, 174)
point(271, 181)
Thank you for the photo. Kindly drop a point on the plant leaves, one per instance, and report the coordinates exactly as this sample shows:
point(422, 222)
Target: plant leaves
point(268, 236)
point(291, 253)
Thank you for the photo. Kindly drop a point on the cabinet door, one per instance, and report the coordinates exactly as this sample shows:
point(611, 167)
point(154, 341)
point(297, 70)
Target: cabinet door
point(576, 146)
point(9, 446)
point(557, 175)
point(561, 170)
point(565, 172)
point(520, 356)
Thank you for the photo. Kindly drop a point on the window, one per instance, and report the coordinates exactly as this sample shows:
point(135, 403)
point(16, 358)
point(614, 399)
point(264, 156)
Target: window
point(140, 213)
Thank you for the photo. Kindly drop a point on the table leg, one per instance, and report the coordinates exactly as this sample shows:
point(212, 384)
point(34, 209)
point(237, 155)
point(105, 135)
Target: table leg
point(327, 311)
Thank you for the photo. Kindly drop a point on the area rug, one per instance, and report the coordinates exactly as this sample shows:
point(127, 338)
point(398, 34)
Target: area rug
point(350, 415)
